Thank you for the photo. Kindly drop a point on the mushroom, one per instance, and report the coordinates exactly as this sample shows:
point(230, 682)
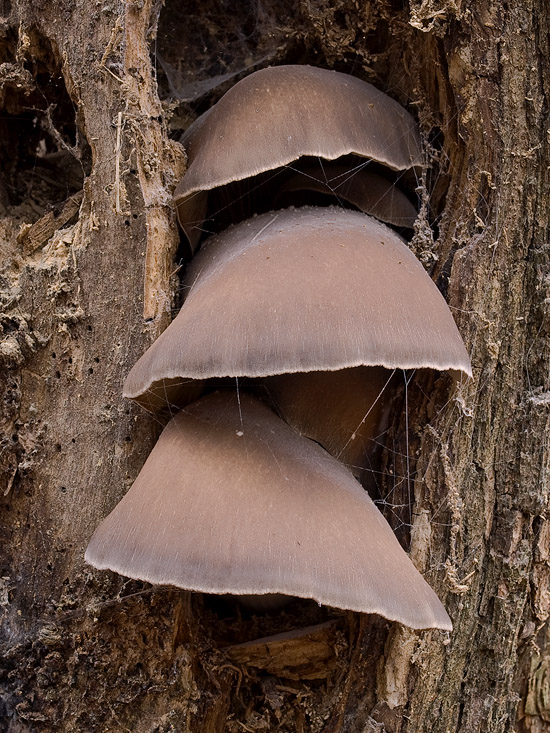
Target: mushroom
point(345, 411)
point(277, 115)
point(233, 500)
point(367, 191)
point(299, 290)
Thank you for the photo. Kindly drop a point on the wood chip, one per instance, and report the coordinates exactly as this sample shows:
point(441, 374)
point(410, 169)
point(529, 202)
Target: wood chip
point(42, 230)
point(300, 654)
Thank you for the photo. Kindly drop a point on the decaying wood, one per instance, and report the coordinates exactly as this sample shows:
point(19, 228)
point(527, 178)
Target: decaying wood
point(160, 161)
point(307, 653)
point(89, 651)
point(37, 234)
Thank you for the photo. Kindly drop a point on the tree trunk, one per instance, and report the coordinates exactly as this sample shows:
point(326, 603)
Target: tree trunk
point(89, 278)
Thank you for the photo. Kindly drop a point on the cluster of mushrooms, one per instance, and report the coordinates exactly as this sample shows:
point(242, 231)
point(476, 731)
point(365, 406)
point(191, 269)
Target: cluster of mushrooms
point(294, 323)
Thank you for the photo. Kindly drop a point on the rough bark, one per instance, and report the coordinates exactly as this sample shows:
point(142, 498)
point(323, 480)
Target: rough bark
point(88, 281)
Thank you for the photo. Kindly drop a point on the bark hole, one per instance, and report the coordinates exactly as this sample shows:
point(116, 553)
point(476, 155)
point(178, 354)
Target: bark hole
point(43, 155)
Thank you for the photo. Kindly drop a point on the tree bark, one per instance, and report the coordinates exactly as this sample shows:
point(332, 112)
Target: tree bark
point(89, 279)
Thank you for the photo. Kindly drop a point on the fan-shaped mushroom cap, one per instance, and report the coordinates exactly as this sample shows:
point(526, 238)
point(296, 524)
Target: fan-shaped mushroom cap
point(279, 114)
point(344, 411)
point(311, 289)
point(368, 191)
point(232, 500)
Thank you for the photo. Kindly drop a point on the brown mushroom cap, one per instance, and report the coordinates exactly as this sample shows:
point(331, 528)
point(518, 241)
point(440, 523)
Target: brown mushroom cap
point(344, 411)
point(300, 290)
point(369, 192)
point(232, 500)
point(279, 114)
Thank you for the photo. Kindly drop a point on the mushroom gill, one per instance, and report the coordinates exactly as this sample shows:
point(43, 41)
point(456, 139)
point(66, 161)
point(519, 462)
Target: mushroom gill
point(369, 192)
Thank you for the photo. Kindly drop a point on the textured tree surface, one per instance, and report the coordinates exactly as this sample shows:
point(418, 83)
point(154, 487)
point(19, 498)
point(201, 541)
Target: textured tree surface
point(89, 261)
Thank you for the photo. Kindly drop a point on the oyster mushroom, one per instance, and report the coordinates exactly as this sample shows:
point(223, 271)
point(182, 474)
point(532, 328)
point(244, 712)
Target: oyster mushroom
point(233, 500)
point(277, 115)
point(311, 289)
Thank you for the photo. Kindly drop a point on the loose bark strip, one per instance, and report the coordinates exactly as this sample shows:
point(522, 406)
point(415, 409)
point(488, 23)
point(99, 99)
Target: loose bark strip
point(160, 163)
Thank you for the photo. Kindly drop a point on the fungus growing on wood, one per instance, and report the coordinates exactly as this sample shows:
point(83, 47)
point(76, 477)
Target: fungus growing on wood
point(311, 289)
point(369, 192)
point(277, 115)
point(233, 500)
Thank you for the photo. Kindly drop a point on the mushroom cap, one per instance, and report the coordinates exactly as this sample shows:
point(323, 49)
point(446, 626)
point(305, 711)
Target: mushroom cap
point(300, 290)
point(344, 411)
point(369, 192)
point(279, 114)
point(233, 500)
